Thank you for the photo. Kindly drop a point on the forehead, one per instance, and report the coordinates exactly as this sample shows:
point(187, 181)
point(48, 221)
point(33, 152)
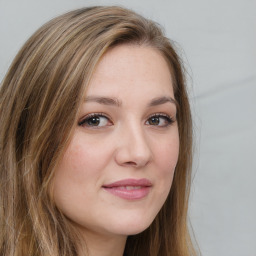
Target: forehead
point(130, 69)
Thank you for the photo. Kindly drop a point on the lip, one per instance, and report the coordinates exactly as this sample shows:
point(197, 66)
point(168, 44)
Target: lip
point(130, 189)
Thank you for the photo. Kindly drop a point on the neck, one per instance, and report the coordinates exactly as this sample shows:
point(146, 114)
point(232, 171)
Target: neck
point(101, 245)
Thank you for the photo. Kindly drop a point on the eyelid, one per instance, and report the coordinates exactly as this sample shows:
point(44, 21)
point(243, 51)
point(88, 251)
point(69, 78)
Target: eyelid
point(159, 114)
point(162, 115)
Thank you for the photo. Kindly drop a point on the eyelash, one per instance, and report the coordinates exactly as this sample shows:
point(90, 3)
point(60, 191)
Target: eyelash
point(84, 121)
point(90, 116)
point(167, 118)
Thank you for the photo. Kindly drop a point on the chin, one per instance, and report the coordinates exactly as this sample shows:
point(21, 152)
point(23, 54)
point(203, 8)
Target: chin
point(133, 225)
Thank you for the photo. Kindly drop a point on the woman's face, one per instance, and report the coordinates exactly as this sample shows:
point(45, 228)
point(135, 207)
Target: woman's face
point(117, 170)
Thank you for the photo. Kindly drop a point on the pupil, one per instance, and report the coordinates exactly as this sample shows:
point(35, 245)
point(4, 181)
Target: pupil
point(154, 121)
point(94, 121)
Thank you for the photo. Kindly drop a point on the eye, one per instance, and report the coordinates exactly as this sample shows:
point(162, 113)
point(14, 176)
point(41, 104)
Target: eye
point(160, 120)
point(95, 120)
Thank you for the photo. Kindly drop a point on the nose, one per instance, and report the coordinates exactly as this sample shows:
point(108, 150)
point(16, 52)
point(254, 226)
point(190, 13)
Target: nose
point(133, 148)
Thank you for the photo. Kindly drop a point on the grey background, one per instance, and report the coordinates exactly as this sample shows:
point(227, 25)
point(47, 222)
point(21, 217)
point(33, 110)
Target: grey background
point(218, 39)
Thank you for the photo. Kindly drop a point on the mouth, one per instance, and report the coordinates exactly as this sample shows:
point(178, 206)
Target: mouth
point(129, 189)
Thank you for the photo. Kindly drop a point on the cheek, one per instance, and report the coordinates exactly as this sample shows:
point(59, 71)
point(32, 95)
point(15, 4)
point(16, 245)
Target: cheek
point(166, 152)
point(78, 171)
point(84, 159)
point(166, 157)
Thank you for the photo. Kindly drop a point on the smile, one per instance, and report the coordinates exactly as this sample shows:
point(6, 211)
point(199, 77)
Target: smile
point(130, 189)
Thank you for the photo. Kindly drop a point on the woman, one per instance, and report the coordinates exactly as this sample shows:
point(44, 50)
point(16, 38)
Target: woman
point(95, 140)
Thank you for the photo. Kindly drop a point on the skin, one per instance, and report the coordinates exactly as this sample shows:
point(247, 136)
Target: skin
point(122, 141)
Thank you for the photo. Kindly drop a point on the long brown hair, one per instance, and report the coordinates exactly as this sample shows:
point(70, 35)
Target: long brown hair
point(39, 101)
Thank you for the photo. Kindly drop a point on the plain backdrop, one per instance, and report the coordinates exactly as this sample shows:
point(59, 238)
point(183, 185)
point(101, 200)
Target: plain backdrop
point(217, 40)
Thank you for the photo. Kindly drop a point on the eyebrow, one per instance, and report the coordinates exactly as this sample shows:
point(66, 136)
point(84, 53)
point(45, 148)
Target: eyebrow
point(115, 102)
point(162, 100)
point(104, 100)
